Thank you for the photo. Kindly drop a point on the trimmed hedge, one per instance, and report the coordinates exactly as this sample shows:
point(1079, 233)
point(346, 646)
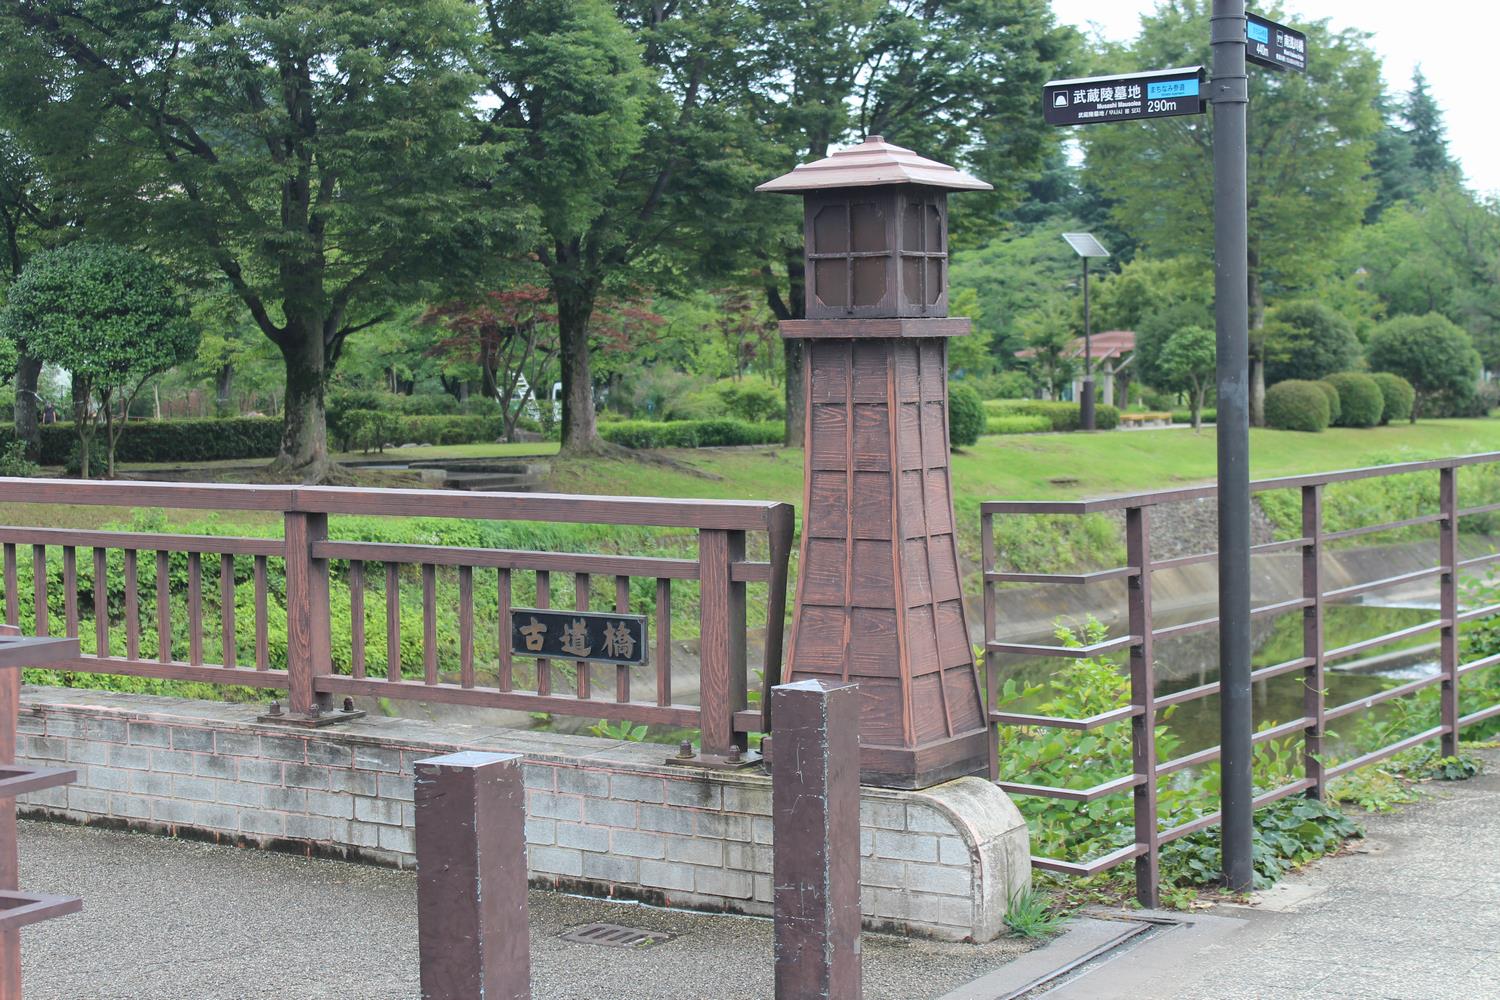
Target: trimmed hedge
point(1208, 416)
point(1335, 404)
point(966, 416)
point(692, 433)
point(1360, 400)
point(1063, 416)
point(1019, 424)
point(169, 440)
point(1399, 396)
point(372, 430)
point(1297, 405)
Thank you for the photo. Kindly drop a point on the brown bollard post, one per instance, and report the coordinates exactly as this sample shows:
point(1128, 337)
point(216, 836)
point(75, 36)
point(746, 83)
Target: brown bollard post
point(815, 828)
point(471, 877)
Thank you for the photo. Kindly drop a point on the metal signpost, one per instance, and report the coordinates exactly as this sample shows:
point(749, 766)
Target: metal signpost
point(1235, 37)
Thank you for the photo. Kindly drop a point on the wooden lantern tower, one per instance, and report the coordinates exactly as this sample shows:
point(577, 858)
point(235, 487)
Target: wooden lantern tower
point(879, 599)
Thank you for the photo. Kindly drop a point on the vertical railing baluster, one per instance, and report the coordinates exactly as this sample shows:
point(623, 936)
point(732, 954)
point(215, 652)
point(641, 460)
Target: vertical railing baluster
point(308, 641)
point(502, 626)
point(1143, 701)
point(663, 640)
point(1448, 598)
point(393, 622)
point(101, 602)
point(357, 618)
point(12, 596)
point(195, 608)
point(1314, 696)
point(466, 626)
point(230, 651)
point(721, 638)
point(39, 589)
point(429, 624)
point(581, 603)
point(70, 590)
point(132, 607)
point(622, 606)
point(262, 644)
point(991, 668)
point(163, 606)
point(543, 600)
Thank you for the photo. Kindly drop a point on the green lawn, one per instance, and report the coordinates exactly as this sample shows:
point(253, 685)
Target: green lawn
point(1046, 465)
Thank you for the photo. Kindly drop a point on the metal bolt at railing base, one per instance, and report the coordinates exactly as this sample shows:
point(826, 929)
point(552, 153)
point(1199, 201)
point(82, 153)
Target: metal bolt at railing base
point(275, 708)
point(685, 750)
point(348, 704)
point(734, 754)
point(316, 710)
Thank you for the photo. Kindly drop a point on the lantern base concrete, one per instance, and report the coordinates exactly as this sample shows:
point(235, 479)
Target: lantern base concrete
point(604, 818)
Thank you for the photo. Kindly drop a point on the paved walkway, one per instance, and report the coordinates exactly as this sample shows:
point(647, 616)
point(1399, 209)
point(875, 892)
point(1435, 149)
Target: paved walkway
point(1411, 913)
point(176, 920)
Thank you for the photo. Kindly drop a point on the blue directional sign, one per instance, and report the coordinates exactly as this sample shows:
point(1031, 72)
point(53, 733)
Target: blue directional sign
point(1274, 45)
point(1160, 93)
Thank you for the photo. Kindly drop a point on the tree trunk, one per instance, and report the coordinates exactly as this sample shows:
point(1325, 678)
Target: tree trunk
point(223, 390)
point(304, 434)
point(796, 392)
point(83, 425)
point(575, 306)
point(28, 427)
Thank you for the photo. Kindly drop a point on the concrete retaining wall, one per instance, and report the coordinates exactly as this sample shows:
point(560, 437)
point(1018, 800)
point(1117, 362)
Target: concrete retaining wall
point(604, 818)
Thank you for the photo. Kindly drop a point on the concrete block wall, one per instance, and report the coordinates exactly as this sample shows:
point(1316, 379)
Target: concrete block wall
point(603, 817)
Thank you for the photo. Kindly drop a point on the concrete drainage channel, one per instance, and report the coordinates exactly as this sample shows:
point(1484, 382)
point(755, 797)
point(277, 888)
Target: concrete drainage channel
point(1134, 947)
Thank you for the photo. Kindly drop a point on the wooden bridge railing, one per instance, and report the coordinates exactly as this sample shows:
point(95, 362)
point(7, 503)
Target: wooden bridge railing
point(161, 613)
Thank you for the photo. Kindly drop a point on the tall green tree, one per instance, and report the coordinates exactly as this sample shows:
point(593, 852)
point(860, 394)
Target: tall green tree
point(110, 316)
point(623, 132)
point(1189, 362)
point(1310, 138)
point(310, 151)
point(954, 80)
point(1430, 158)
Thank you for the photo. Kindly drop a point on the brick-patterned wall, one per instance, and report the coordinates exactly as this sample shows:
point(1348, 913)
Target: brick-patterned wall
point(603, 817)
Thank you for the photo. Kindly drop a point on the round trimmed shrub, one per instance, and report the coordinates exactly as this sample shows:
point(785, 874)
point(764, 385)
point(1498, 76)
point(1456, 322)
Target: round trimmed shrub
point(1335, 405)
point(966, 416)
point(1297, 405)
point(1398, 394)
point(1360, 400)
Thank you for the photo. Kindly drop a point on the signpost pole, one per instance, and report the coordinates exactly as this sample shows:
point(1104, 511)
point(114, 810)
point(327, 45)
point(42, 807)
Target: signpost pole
point(1230, 97)
point(1086, 407)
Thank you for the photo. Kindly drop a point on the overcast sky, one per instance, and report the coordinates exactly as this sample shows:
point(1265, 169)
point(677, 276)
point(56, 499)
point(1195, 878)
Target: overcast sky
point(1453, 40)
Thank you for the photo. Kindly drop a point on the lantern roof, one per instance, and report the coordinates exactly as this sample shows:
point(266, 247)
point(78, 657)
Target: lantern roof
point(871, 163)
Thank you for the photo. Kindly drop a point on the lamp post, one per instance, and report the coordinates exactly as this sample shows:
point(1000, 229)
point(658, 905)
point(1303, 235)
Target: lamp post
point(1086, 246)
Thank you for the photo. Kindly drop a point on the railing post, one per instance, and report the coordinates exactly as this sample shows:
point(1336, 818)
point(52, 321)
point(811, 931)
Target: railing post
point(1143, 700)
point(815, 833)
point(472, 916)
point(991, 668)
point(721, 617)
point(308, 643)
point(1314, 693)
point(1448, 600)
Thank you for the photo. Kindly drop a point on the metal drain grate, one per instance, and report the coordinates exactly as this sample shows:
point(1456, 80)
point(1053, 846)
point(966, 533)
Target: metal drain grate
point(615, 936)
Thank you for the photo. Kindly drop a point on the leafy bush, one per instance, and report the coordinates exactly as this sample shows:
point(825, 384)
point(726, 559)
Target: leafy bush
point(1308, 340)
point(1360, 400)
point(170, 440)
point(372, 430)
point(1062, 415)
point(752, 399)
point(1295, 405)
point(13, 460)
point(1287, 834)
point(691, 433)
point(1398, 394)
point(1186, 416)
point(1019, 424)
point(966, 416)
point(1434, 355)
point(1335, 404)
point(1012, 385)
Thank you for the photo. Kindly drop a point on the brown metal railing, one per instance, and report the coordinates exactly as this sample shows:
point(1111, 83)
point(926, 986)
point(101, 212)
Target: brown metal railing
point(1142, 632)
point(313, 565)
